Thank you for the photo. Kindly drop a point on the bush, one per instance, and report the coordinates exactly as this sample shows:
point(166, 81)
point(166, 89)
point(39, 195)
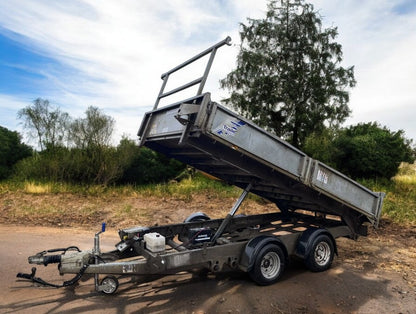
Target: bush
point(365, 150)
point(86, 166)
point(11, 151)
point(87, 157)
point(103, 165)
point(144, 166)
point(321, 146)
point(369, 151)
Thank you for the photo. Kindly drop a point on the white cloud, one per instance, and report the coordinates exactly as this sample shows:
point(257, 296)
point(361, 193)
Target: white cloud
point(115, 51)
point(380, 42)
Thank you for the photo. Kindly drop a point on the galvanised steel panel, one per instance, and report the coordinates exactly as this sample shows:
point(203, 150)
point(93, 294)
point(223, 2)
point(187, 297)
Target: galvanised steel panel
point(220, 125)
point(163, 122)
point(242, 135)
point(337, 185)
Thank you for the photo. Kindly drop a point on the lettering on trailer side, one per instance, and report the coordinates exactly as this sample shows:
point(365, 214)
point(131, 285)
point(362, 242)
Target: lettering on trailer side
point(231, 126)
point(322, 176)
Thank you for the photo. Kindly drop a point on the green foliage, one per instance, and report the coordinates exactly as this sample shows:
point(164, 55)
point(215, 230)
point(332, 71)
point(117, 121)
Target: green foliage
point(368, 150)
point(90, 159)
point(365, 150)
point(320, 145)
point(400, 201)
point(87, 157)
point(71, 165)
point(125, 164)
point(288, 77)
point(95, 130)
point(11, 151)
point(45, 123)
point(144, 166)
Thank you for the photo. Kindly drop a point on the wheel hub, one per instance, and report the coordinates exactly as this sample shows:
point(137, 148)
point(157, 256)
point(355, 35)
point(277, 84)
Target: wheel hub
point(322, 253)
point(270, 265)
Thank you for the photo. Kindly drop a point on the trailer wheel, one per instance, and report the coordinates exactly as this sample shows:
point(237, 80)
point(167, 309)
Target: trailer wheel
point(109, 284)
point(321, 254)
point(199, 216)
point(268, 266)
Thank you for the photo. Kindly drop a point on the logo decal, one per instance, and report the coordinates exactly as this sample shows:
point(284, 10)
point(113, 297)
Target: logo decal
point(322, 176)
point(230, 127)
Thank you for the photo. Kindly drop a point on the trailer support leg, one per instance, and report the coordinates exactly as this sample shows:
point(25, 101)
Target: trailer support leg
point(97, 252)
point(230, 215)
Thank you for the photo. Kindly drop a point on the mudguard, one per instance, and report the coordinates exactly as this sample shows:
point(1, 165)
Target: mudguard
point(198, 216)
point(253, 247)
point(305, 241)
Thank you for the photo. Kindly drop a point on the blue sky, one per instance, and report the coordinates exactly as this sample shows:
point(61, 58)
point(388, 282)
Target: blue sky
point(110, 54)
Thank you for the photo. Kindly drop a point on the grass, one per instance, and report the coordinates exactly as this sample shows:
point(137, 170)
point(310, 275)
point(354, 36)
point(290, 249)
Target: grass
point(37, 188)
point(65, 204)
point(399, 203)
point(32, 187)
point(183, 189)
point(189, 186)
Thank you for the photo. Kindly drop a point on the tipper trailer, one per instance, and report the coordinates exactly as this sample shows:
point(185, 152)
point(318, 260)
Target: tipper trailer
point(316, 204)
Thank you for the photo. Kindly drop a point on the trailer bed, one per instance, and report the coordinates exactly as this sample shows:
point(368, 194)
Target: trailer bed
point(215, 140)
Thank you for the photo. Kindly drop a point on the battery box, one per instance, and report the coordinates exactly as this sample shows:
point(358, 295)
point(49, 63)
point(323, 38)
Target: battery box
point(199, 235)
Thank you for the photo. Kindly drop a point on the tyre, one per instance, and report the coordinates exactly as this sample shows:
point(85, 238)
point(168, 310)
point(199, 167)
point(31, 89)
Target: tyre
point(268, 266)
point(197, 217)
point(321, 254)
point(110, 285)
point(194, 217)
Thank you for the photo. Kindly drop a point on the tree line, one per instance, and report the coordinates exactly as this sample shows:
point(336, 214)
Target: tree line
point(78, 150)
point(289, 79)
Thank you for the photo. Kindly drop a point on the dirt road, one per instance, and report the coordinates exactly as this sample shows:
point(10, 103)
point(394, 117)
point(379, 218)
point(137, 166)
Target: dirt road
point(372, 275)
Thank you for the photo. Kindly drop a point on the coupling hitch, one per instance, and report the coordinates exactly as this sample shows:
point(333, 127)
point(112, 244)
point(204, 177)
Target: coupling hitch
point(45, 260)
point(85, 258)
point(42, 259)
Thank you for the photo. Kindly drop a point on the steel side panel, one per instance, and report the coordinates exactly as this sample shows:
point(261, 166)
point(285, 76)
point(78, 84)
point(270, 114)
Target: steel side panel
point(242, 135)
point(338, 186)
point(164, 123)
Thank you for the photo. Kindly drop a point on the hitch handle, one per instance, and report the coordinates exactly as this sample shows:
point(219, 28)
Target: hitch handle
point(44, 260)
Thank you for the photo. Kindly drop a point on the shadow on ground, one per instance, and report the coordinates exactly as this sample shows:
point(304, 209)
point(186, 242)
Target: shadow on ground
point(299, 291)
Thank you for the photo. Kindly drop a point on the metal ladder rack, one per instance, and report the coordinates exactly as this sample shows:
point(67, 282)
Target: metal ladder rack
point(201, 80)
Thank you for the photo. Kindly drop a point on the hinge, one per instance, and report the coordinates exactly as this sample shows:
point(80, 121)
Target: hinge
point(185, 111)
